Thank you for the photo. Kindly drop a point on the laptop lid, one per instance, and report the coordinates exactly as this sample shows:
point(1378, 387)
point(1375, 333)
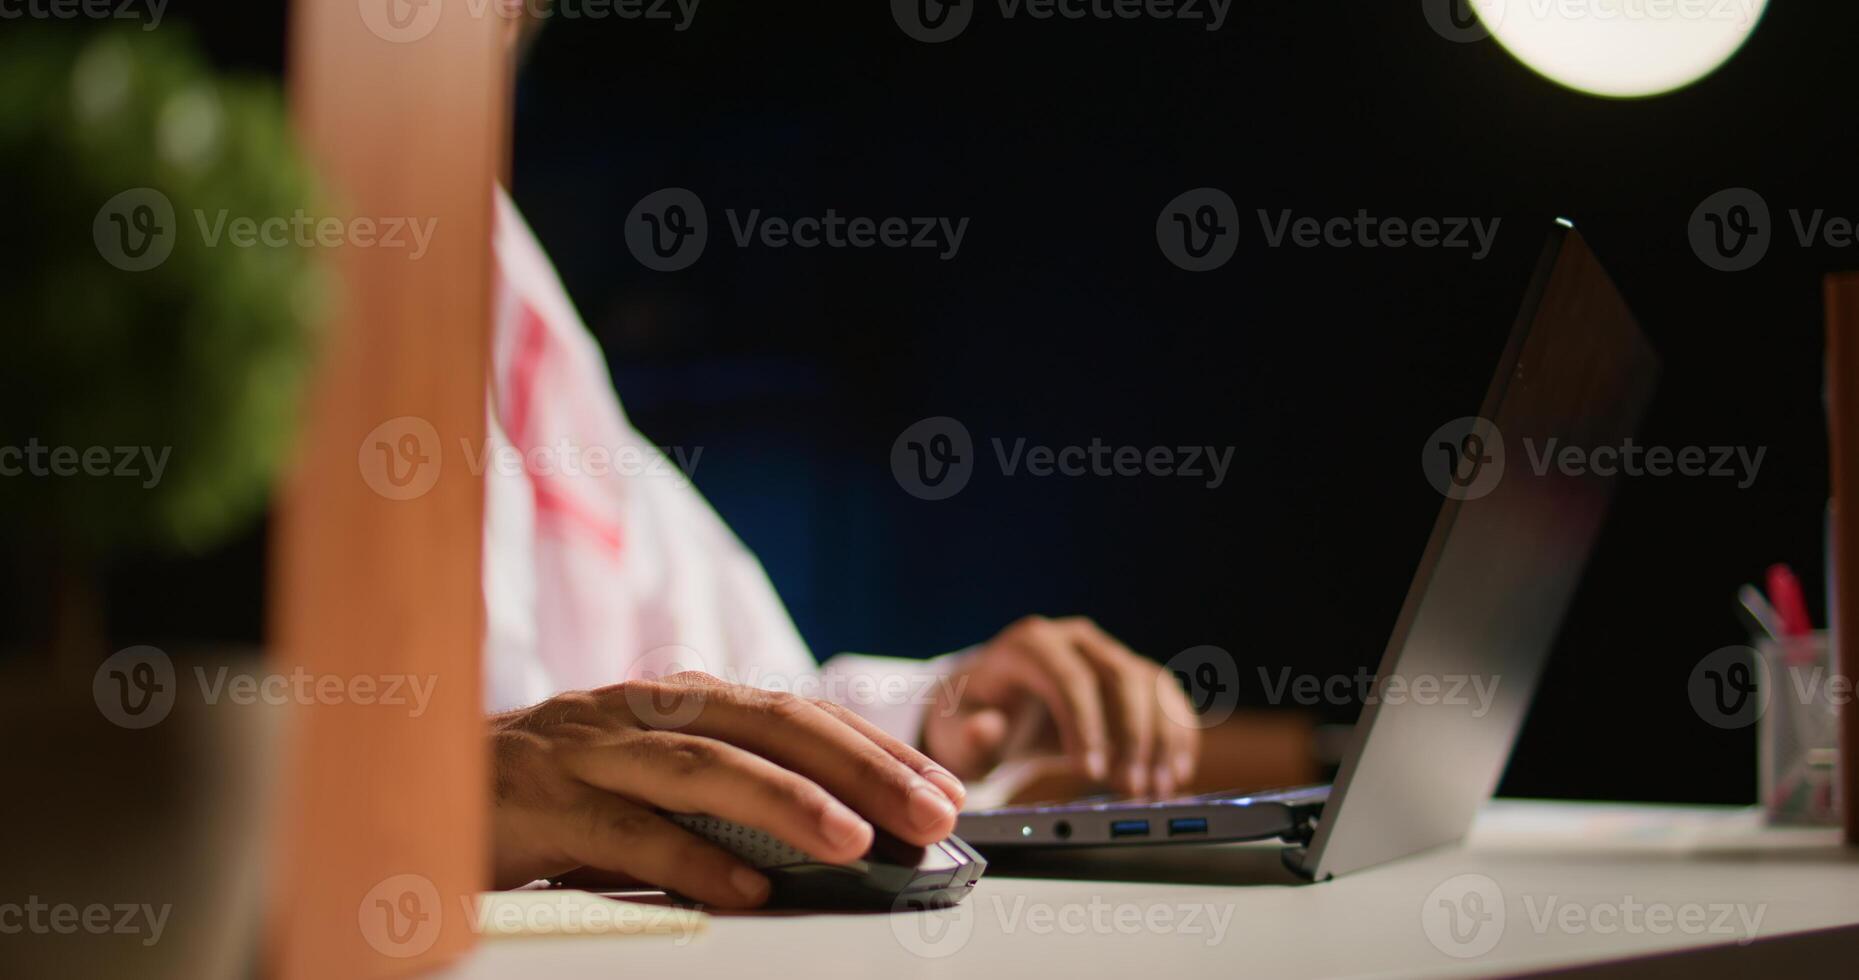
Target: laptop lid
point(1527, 484)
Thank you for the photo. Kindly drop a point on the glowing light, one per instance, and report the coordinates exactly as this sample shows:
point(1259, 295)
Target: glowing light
point(1621, 48)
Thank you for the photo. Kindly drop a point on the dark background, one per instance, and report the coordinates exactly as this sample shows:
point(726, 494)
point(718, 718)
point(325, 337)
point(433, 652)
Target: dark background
point(1060, 321)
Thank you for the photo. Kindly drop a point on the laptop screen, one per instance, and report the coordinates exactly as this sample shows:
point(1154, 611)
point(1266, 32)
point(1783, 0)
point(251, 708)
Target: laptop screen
point(1526, 482)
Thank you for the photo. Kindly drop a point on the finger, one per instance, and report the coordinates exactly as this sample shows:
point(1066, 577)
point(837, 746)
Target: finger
point(1130, 708)
point(969, 740)
point(1051, 667)
point(983, 736)
point(690, 774)
point(1180, 741)
point(799, 735)
point(617, 835)
point(1176, 746)
point(922, 764)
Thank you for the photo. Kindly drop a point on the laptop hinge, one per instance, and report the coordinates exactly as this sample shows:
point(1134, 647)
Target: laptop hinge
point(1303, 825)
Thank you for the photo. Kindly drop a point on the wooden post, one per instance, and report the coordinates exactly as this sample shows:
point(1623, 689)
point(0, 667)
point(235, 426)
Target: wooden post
point(1842, 292)
point(375, 578)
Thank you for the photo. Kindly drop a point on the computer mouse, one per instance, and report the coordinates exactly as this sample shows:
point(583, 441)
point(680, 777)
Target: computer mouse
point(892, 876)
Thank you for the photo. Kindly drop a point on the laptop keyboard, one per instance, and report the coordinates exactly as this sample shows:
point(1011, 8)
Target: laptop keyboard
point(1290, 794)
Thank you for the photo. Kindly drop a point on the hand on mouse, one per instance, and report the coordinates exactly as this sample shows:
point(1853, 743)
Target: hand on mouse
point(579, 778)
point(1121, 720)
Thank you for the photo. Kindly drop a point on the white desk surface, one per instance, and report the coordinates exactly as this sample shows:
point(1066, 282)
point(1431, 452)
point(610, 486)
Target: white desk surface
point(1579, 884)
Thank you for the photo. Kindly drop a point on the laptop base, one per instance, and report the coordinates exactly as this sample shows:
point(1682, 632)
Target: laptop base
point(1286, 814)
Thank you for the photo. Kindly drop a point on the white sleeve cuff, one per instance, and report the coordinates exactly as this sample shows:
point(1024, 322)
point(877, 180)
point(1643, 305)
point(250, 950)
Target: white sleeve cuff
point(890, 692)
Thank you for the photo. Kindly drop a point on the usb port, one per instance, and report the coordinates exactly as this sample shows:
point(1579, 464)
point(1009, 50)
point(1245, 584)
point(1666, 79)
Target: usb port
point(1129, 828)
point(1187, 825)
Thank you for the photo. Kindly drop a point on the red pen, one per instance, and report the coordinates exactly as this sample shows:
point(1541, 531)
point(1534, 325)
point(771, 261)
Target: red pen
point(1790, 602)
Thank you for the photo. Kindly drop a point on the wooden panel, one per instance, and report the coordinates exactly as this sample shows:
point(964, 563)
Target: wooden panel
point(384, 822)
point(1843, 428)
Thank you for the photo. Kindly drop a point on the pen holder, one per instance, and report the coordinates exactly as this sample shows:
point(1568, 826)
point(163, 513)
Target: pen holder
point(1799, 730)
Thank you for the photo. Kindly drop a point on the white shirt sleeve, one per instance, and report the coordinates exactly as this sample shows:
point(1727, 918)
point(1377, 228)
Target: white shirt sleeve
point(893, 693)
point(602, 562)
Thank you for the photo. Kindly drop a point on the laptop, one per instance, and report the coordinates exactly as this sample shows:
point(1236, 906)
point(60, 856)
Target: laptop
point(1486, 603)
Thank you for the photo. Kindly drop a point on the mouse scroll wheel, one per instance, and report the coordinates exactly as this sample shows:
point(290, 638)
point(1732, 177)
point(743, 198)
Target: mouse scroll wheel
point(757, 848)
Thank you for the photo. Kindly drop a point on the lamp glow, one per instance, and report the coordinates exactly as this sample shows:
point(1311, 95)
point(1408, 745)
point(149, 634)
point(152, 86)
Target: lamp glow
point(1621, 48)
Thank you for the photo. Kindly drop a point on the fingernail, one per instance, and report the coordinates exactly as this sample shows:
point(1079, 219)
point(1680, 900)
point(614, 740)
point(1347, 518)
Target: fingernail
point(950, 786)
point(928, 807)
point(1095, 765)
point(750, 885)
point(841, 826)
point(1184, 768)
point(1137, 777)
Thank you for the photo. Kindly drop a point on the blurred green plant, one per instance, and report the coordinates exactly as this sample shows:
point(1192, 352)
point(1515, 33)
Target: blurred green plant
point(114, 147)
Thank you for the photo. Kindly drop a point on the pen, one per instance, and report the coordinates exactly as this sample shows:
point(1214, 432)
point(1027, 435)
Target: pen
point(1790, 601)
point(1762, 617)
